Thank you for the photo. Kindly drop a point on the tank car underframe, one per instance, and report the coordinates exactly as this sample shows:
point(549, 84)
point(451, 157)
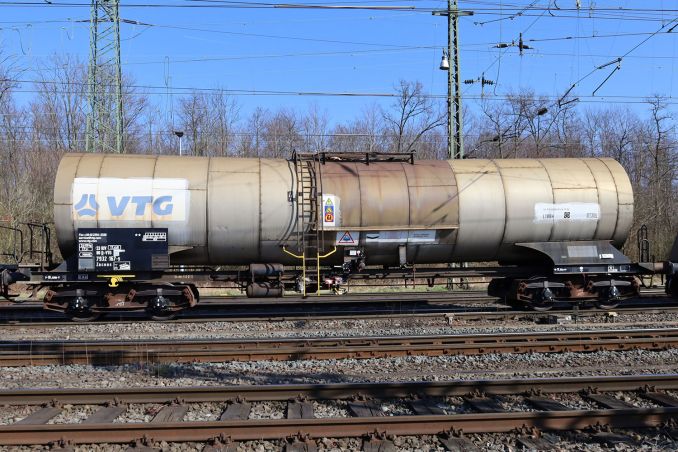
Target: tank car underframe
point(84, 301)
point(605, 291)
point(579, 271)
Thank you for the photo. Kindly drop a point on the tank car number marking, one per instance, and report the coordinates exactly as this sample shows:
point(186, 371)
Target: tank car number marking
point(569, 211)
point(133, 199)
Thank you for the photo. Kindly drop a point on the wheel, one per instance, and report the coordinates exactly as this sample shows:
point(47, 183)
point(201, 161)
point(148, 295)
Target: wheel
point(162, 317)
point(611, 301)
point(606, 304)
point(159, 309)
point(542, 306)
point(543, 300)
point(78, 309)
point(87, 316)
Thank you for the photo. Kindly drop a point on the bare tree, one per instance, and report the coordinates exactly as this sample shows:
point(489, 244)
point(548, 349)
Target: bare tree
point(658, 205)
point(610, 132)
point(413, 115)
point(195, 122)
point(365, 134)
point(499, 127)
point(315, 128)
point(565, 137)
point(59, 107)
point(251, 141)
point(24, 169)
point(209, 121)
point(135, 109)
point(223, 114)
point(282, 135)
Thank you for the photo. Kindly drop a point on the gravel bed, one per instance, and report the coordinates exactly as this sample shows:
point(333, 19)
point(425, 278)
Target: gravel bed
point(339, 444)
point(11, 414)
point(454, 405)
point(139, 412)
point(410, 368)
point(635, 399)
point(573, 401)
point(330, 408)
point(514, 403)
point(396, 408)
point(268, 410)
point(73, 414)
point(202, 412)
point(263, 329)
point(258, 446)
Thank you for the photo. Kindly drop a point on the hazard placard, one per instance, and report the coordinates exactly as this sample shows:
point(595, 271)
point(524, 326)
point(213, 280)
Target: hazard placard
point(347, 238)
point(330, 210)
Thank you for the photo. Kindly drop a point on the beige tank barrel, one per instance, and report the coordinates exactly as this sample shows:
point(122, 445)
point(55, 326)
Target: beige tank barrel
point(240, 211)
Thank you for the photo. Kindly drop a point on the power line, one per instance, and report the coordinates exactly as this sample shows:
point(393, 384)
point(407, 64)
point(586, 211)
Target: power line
point(208, 30)
point(161, 91)
point(601, 13)
point(617, 61)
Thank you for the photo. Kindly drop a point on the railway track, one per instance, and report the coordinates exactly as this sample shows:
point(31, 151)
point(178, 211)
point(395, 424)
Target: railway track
point(594, 405)
point(241, 307)
point(473, 306)
point(33, 353)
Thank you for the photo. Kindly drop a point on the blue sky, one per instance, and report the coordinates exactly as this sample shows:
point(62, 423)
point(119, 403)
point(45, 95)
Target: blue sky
point(233, 45)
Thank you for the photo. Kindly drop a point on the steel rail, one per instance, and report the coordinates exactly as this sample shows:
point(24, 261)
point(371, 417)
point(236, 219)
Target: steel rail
point(333, 427)
point(243, 430)
point(467, 314)
point(33, 316)
point(461, 296)
point(337, 391)
point(26, 353)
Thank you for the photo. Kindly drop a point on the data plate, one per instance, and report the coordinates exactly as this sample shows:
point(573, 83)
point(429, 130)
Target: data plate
point(122, 250)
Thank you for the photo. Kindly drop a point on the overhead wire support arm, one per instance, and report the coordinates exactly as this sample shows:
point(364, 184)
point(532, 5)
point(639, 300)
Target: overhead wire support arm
point(615, 61)
point(607, 78)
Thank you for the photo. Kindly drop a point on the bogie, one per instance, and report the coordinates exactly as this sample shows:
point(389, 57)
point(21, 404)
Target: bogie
point(544, 292)
point(88, 302)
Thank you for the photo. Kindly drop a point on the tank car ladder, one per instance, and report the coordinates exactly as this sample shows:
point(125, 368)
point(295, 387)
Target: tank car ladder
point(309, 229)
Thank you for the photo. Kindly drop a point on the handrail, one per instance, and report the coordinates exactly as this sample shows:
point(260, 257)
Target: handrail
point(328, 254)
point(292, 254)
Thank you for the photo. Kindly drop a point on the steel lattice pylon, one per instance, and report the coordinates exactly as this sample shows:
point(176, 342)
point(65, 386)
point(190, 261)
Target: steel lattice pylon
point(105, 115)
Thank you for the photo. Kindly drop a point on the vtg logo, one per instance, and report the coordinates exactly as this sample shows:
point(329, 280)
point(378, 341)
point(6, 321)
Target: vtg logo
point(88, 206)
point(133, 199)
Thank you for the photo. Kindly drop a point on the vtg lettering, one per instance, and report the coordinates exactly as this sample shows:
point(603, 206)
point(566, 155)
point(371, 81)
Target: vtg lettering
point(162, 205)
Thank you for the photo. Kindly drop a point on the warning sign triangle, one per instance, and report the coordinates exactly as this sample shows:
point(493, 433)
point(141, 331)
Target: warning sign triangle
point(346, 239)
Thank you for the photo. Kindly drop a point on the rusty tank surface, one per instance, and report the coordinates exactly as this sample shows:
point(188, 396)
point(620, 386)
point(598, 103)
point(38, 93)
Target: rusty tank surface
point(246, 210)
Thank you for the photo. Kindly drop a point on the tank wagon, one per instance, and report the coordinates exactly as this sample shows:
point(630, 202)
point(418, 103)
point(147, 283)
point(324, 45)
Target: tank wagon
point(121, 220)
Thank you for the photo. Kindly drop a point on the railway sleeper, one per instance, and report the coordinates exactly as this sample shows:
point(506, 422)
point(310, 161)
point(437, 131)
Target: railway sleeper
point(84, 303)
